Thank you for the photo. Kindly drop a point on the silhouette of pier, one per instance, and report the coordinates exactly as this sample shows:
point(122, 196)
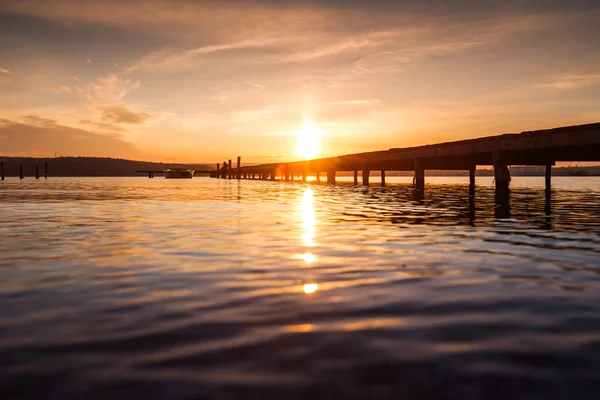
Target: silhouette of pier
point(152, 173)
point(541, 147)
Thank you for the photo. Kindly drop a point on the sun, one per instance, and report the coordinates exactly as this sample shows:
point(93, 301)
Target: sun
point(308, 141)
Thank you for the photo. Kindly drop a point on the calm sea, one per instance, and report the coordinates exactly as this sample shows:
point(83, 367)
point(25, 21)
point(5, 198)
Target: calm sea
point(122, 288)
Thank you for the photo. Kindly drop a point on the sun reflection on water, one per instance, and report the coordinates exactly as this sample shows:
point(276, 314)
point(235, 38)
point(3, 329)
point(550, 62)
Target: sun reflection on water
point(310, 288)
point(309, 220)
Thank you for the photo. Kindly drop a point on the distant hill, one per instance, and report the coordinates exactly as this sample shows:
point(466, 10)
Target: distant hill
point(88, 166)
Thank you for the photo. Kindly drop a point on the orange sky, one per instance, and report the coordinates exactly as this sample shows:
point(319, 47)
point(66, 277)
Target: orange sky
point(209, 80)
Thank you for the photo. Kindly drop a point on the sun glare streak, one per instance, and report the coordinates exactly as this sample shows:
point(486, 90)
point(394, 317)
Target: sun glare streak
point(308, 141)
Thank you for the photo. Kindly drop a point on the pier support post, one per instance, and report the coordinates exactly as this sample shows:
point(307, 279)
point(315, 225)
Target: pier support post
point(217, 172)
point(304, 176)
point(419, 179)
point(365, 176)
point(472, 181)
point(2, 169)
point(331, 177)
point(253, 176)
point(239, 168)
point(548, 177)
point(21, 176)
point(274, 175)
point(224, 170)
point(318, 177)
point(501, 172)
point(355, 178)
point(46, 171)
point(229, 170)
point(37, 171)
point(382, 177)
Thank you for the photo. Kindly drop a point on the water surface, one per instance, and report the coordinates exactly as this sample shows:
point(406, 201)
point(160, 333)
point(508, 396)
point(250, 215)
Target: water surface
point(204, 288)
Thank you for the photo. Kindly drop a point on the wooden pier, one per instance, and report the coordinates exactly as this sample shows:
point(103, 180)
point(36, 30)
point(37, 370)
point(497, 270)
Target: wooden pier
point(541, 147)
point(152, 173)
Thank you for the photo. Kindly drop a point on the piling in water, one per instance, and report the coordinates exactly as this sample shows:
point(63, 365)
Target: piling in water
point(2, 169)
point(21, 176)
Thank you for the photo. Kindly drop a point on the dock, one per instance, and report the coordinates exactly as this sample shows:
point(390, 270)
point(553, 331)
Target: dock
point(577, 143)
point(152, 173)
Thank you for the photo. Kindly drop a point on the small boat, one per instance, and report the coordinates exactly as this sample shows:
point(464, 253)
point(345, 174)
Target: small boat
point(179, 173)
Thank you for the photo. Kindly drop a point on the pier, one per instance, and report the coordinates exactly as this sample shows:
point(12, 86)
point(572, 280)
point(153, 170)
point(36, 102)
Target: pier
point(541, 147)
point(152, 173)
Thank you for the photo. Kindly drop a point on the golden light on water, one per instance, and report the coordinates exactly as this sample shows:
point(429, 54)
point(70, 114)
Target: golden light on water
point(308, 141)
point(310, 288)
point(308, 258)
point(309, 220)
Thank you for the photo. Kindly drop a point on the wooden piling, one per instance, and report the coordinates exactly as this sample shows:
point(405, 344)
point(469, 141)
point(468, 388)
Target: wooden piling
point(365, 176)
point(304, 176)
point(472, 179)
point(501, 171)
point(239, 168)
point(21, 176)
point(45, 170)
point(331, 177)
point(548, 176)
point(419, 179)
point(382, 177)
point(2, 169)
point(355, 177)
point(318, 177)
point(37, 171)
point(229, 170)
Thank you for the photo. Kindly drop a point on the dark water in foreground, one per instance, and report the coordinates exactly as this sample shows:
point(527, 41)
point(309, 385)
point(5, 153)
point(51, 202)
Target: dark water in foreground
point(138, 288)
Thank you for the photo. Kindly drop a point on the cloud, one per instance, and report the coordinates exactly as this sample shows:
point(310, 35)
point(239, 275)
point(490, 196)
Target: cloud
point(38, 136)
point(222, 97)
point(173, 59)
point(60, 88)
point(4, 71)
point(113, 87)
point(38, 121)
point(123, 115)
point(572, 81)
point(356, 102)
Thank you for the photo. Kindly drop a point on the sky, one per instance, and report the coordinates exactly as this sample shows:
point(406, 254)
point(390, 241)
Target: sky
point(207, 81)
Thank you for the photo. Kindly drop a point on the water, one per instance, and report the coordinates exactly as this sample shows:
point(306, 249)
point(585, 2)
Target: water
point(139, 288)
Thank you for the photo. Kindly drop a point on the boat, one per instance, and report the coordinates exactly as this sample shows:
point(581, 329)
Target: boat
point(179, 173)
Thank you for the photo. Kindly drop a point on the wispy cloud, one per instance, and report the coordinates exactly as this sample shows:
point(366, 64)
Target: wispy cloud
point(572, 81)
point(4, 71)
point(173, 59)
point(355, 102)
point(57, 87)
point(123, 115)
point(113, 87)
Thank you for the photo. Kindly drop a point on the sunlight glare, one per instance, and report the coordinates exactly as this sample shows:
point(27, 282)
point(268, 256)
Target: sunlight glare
point(310, 288)
point(308, 141)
